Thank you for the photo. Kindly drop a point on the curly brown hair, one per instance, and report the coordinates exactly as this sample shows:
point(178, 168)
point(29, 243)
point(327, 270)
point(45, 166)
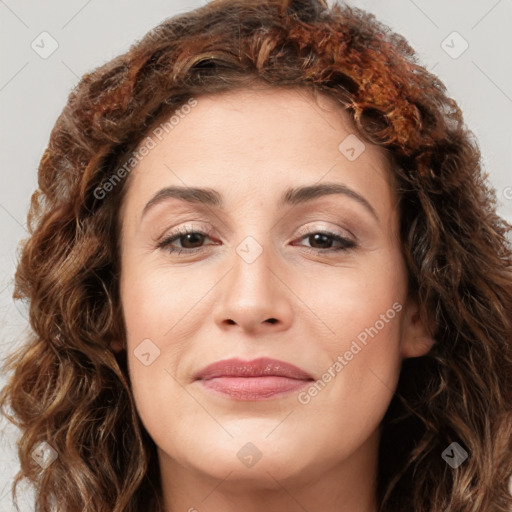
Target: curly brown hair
point(70, 389)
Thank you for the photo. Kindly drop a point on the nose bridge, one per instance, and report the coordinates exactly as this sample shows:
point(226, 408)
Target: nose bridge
point(252, 263)
point(252, 295)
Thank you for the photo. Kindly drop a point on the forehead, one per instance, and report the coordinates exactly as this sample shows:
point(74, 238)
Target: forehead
point(251, 144)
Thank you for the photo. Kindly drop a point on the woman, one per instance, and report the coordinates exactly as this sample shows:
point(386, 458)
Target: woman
point(265, 270)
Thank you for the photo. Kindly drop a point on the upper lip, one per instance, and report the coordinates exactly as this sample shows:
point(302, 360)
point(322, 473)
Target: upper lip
point(261, 367)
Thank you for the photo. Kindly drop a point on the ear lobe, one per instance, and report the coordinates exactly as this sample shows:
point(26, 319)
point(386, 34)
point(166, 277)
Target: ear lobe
point(416, 339)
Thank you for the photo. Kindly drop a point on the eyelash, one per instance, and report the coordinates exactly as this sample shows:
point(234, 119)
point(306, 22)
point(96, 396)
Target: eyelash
point(346, 244)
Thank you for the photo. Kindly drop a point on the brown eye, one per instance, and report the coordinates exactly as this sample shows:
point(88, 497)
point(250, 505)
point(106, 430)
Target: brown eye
point(188, 240)
point(191, 240)
point(322, 241)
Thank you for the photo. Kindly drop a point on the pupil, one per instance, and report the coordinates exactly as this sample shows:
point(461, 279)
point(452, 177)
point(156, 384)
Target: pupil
point(189, 239)
point(320, 238)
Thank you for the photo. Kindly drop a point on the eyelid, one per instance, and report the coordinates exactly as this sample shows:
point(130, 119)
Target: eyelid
point(303, 231)
point(308, 229)
point(183, 229)
point(348, 243)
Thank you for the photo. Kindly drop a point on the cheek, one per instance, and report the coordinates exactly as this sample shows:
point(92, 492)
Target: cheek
point(161, 305)
point(338, 310)
point(151, 307)
point(352, 392)
point(363, 309)
point(352, 301)
point(145, 299)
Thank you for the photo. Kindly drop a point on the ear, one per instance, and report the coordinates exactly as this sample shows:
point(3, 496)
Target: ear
point(117, 346)
point(416, 339)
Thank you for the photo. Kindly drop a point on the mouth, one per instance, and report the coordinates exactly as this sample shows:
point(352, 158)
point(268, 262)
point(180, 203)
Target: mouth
point(259, 379)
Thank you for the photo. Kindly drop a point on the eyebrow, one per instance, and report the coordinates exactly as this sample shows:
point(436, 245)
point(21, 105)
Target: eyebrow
point(292, 196)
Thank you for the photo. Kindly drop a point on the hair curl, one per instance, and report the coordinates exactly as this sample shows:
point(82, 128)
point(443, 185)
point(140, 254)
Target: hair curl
point(70, 389)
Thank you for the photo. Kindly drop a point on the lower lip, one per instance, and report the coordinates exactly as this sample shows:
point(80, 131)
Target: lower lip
point(254, 388)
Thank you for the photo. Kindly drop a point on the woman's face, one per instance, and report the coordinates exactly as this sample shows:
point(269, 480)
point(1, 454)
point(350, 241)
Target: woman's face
point(294, 256)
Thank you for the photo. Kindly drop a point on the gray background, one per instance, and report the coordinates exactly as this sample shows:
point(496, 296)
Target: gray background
point(33, 91)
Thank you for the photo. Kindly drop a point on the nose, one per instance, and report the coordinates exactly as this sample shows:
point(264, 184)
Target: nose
point(254, 297)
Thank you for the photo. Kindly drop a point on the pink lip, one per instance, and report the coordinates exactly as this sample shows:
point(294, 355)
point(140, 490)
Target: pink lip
point(258, 379)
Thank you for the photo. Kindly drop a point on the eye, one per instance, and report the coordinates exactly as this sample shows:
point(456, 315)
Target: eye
point(190, 240)
point(323, 241)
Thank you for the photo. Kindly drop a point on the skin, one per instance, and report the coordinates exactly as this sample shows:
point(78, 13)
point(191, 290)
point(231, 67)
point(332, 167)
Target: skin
point(209, 305)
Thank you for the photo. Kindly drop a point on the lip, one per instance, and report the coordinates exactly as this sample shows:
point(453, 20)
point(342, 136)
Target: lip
point(259, 379)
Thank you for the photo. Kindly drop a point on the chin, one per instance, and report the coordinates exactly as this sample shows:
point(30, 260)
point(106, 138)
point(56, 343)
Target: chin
point(248, 457)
